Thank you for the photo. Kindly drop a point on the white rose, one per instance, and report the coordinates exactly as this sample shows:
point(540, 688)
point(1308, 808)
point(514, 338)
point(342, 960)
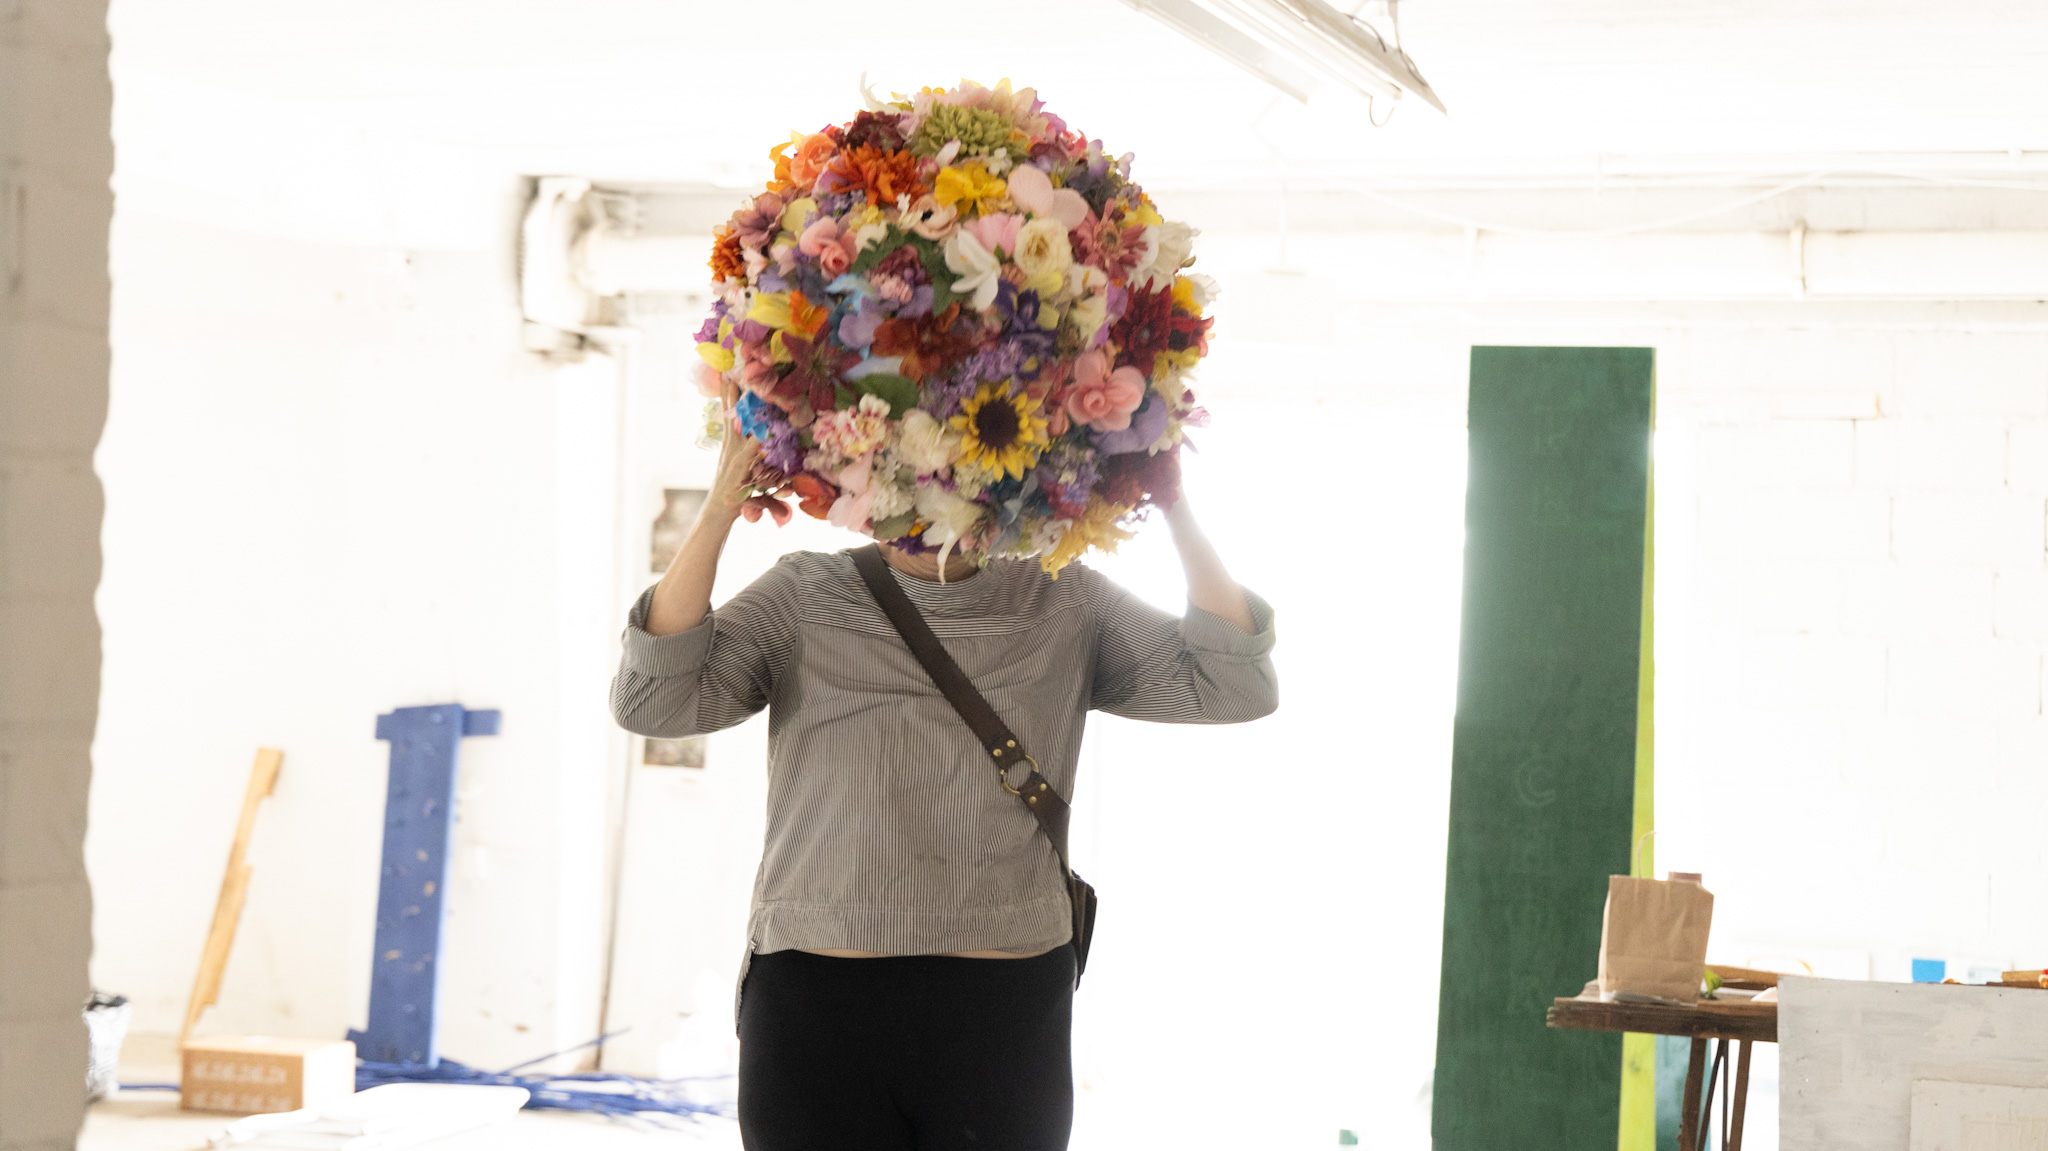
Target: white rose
point(1175, 242)
point(1042, 248)
point(926, 444)
point(1088, 315)
point(949, 516)
point(890, 499)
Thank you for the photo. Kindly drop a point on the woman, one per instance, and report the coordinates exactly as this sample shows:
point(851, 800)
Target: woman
point(909, 982)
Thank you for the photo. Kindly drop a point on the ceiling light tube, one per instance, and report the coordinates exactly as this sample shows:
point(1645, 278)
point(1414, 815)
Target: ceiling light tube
point(1204, 28)
point(1305, 32)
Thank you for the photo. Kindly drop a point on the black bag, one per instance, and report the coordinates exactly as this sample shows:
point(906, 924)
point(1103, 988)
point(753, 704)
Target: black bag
point(1037, 795)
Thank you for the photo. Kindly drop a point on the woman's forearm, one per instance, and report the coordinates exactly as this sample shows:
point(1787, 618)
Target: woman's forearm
point(1209, 584)
point(684, 593)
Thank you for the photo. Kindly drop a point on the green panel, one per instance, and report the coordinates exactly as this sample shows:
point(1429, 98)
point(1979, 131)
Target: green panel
point(1543, 761)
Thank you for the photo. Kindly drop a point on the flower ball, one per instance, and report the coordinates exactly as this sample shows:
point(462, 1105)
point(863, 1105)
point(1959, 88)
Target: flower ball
point(955, 323)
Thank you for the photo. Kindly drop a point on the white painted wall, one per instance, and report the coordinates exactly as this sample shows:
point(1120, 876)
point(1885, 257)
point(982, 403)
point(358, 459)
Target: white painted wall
point(336, 486)
point(1852, 745)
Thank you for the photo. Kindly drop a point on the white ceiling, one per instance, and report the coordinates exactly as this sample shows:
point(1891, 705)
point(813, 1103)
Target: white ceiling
point(384, 121)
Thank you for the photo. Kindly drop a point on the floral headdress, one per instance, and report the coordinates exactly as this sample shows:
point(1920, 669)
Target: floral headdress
point(955, 323)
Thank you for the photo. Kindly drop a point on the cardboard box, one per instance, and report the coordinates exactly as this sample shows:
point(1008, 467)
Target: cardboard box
point(261, 1073)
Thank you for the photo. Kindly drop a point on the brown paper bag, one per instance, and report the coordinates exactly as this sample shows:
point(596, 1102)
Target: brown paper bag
point(1653, 938)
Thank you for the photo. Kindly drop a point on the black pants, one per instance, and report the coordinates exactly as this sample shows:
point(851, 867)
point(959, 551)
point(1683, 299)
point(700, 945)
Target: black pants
point(907, 1053)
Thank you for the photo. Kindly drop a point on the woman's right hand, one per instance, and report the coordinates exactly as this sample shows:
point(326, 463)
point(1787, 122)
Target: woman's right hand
point(683, 596)
point(736, 455)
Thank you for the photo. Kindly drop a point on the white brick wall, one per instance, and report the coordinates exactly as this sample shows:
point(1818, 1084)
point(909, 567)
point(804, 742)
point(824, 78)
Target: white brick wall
point(1881, 579)
point(55, 160)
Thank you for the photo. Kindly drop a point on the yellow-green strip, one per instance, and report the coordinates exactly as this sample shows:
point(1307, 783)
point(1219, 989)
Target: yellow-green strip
point(1639, 1052)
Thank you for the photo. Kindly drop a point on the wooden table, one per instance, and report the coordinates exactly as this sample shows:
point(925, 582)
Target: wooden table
point(1724, 1021)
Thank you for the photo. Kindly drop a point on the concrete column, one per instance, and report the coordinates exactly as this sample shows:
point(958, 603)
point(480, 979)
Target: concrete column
point(56, 158)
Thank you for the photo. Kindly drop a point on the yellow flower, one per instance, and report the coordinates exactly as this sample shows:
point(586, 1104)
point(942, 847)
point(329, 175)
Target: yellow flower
point(1095, 529)
point(969, 186)
point(1184, 296)
point(999, 431)
point(772, 309)
point(719, 358)
point(794, 215)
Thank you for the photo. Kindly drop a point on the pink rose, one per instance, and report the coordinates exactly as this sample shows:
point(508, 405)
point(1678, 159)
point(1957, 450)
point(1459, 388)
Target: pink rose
point(823, 242)
point(1104, 401)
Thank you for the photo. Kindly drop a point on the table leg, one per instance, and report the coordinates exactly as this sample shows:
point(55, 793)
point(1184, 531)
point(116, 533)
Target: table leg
point(1715, 1076)
point(1721, 1071)
point(1741, 1096)
point(1689, 1113)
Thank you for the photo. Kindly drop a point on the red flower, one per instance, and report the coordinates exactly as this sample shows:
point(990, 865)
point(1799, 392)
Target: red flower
point(1131, 478)
point(814, 375)
point(929, 345)
point(869, 129)
point(814, 496)
point(1109, 247)
point(1145, 330)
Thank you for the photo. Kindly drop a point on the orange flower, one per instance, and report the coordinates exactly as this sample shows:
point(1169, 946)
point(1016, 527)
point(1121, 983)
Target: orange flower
point(726, 262)
point(812, 154)
point(814, 495)
point(806, 318)
point(882, 175)
point(780, 182)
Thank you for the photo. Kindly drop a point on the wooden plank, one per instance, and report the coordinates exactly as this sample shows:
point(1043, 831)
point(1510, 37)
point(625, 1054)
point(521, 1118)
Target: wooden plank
point(1544, 744)
point(1851, 1052)
point(1973, 1116)
point(1757, 1022)
point(234, 891)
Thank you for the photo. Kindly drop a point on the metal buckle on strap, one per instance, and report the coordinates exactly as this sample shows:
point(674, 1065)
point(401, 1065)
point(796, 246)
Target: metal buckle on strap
point(1003, 773)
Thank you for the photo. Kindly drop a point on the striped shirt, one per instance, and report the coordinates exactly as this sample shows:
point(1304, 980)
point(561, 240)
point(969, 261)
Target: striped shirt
point(887, 830)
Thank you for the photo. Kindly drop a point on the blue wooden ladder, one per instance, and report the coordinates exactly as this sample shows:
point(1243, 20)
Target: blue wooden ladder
point(419, 822)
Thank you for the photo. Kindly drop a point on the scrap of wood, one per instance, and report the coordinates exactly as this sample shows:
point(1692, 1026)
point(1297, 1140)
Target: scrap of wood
point(234, 889)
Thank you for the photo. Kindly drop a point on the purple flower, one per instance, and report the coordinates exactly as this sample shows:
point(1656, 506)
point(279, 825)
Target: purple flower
point(709, 332)
point(782, 448)
point(1147, 424)
point(857, 329)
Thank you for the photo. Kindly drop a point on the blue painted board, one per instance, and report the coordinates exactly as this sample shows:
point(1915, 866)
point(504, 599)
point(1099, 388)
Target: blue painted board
point(419, 825)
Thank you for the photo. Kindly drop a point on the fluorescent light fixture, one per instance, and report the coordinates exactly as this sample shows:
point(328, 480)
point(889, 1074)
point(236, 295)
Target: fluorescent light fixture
point(1275, 39)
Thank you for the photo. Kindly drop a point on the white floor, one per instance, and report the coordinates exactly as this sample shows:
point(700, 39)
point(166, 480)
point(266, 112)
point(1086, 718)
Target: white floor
point(152, 1120)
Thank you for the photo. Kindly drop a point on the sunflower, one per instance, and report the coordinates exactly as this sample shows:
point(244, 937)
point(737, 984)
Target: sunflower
point(999, 431)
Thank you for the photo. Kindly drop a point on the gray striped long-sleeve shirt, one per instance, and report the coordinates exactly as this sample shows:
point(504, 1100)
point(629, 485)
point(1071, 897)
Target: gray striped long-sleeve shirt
point(887, 829)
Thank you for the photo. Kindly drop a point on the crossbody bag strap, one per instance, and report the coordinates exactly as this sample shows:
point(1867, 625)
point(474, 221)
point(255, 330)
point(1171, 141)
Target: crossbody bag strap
point(1001, 744)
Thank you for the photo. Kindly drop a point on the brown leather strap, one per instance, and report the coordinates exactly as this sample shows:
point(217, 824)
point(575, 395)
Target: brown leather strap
point(1003, 748)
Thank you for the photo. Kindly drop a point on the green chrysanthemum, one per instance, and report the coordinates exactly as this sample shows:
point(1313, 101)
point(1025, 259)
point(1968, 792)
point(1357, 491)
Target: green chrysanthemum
point(980, 132)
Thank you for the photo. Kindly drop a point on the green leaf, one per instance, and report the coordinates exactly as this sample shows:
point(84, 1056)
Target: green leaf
point(895, 527)
point(935, 270)
point(900, 391)
point(867, 260)
point(844, 396)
